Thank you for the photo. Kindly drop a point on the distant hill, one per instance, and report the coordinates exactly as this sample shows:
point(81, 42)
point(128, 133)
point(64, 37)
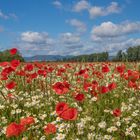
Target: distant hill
point(56, 57)
point(46, 58)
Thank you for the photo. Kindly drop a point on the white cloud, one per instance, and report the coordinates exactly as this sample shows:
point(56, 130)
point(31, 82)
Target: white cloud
point(7, 16)
point(31, 43)
point(81, 5)
point(69, 38)
point(79, 25)
point(109, 29)
point(57, 4)
point(2, 15)
point(36, 37)
point(96, 11)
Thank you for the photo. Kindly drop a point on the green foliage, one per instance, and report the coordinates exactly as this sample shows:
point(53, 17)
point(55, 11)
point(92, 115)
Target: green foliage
point(132, 54)
point(6, 56)
point(95, 57)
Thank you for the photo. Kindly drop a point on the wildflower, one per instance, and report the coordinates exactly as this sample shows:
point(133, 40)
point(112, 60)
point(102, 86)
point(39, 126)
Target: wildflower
point(13, 51)
point(80, 97)
point(14, 129)
point(117, 112)
point(50, 129)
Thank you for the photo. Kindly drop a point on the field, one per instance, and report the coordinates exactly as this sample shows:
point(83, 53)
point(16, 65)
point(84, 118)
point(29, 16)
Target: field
point(69, 101)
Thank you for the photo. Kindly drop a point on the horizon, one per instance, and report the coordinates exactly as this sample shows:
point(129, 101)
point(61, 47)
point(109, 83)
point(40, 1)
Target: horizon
point(83, 26)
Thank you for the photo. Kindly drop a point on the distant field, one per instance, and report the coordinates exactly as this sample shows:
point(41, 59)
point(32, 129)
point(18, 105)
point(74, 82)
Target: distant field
point(69, 101)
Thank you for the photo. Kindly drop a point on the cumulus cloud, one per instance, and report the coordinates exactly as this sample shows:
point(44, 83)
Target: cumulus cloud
point(69, 38)
point(109, 29)
point(36, 37)
point(31, 43)
point(97, 11)
point(57, 4)
point(79, 25)
point(81, 5)
point(68, 43)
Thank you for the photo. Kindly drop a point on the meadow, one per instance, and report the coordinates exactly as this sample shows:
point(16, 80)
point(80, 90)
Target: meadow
point(69, 101)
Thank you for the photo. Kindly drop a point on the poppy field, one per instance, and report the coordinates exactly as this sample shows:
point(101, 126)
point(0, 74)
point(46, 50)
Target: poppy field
point(69, 101)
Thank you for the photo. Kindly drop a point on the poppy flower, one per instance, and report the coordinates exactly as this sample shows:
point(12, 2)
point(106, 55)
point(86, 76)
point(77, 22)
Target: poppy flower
point(61, 88)
point(133, 75)
point(121, 68)
point(103, 89)
point(15, 63)
point(81, 72)
point(105, 69)
point(132, 84)
point(65, 112)
point(29, 67)
point(42, 72)
point(50, 129)
point(117, 112)
point(112, 86)
point(86, 86)
point(27, 121)
point(69, 114)
point(80, 97)
point(60, 107)
point(13, 51)
point(6, 71)
point(10, 96)
point(14, 129)
point(11, 85)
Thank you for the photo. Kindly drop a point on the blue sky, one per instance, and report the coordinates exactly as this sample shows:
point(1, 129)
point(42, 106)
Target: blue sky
point(69, 27)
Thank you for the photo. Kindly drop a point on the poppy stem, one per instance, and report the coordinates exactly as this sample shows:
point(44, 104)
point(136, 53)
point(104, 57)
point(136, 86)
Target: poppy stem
point(3, 95)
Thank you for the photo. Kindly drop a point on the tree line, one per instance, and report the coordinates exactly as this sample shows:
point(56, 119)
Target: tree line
point(95, 57)
point(132, 54)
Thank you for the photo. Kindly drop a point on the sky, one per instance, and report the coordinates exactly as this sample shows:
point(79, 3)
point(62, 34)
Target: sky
point(69, 27)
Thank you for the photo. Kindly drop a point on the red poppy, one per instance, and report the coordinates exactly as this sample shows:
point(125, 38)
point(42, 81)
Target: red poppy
point(15, 63)
point(80, 97)
point(69, 114)
point(60, 107)
point(87, 85)
point(103, 89)
point(6, 71)
point(61, 88)
point(33, 75)
point(133, 75)
point(14, 129)
point(13, 51)
point(21, 73)
point(27, 121)
point(29, 67)
point(105, 69)
point(132, 84)
point(117, 112)
point(42, 72)
point(4, 64)
point(50, 129)
point(65, 112)
point(10, 96)
point(11, 85)
point(120, 68)
point(112, 86)
point(81, 72)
